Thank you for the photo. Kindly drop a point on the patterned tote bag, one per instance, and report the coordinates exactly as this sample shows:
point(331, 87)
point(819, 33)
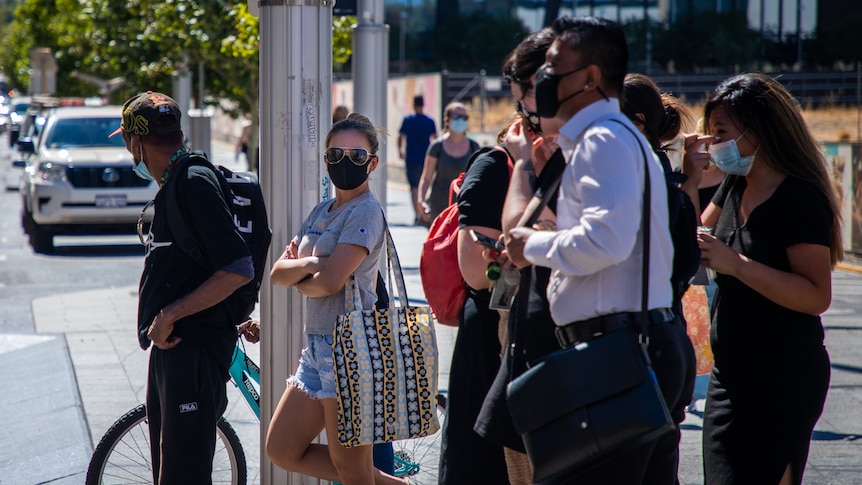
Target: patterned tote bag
point(385, 366)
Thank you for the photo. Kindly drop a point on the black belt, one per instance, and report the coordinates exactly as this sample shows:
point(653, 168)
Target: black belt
point(593, 327)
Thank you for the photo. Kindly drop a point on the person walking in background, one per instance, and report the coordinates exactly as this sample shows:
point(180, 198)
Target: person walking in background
point(340, 237)
point(339, 113)
point(242, 142)
point(181, 308)
point(535, 330)
point(416, 133)
point(447, 157)
point(596, 246)
point(777, 238)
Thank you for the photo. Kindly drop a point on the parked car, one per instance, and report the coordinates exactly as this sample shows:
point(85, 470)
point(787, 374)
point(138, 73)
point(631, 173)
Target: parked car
point(31, 123)
point(77, 180)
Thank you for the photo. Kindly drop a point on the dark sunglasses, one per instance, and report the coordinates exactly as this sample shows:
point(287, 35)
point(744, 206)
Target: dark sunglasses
point(459, 117)
point(359, 156)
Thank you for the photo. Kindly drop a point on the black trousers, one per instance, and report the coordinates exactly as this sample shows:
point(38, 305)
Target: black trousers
point(466, 457)
point(186, 396)
point(657, 463)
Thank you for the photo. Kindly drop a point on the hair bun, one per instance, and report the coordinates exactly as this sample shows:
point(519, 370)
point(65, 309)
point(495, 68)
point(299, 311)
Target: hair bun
point(360, 118)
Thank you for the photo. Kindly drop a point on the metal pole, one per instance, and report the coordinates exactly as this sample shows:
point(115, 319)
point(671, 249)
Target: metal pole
point(370, 73)
point(858, 100)
point(402, 37)
point(780, 21)
point(482, 96)
point(295, 108)
point(648, 43)
point(200, 103)
point(799, 33)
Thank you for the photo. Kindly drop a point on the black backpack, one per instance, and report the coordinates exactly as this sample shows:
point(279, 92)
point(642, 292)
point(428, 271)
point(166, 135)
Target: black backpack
point(243, 193)
point(683, 232)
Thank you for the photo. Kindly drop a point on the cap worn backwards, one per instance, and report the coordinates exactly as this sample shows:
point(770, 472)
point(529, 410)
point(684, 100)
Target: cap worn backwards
point(150, 113)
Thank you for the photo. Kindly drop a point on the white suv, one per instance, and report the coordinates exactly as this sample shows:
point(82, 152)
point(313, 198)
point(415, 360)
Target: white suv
point(79, 181)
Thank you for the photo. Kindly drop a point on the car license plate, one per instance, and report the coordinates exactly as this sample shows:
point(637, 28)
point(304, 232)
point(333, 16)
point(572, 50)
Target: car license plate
point(108, 201)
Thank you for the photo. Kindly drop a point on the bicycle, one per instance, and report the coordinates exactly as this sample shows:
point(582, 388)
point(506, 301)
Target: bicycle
point(123, 454)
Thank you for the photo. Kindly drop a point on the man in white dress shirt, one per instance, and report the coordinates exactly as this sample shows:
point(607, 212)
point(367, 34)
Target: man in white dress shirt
point(596, 251)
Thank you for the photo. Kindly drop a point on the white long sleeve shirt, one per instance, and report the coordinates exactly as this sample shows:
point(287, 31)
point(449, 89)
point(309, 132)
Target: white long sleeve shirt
point(595, 254)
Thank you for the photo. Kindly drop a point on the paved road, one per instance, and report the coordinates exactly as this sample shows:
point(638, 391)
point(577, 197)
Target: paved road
point(74, 366)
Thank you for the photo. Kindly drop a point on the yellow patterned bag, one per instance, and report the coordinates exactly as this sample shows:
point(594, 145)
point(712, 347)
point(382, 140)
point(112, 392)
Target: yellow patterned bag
point(385, 367)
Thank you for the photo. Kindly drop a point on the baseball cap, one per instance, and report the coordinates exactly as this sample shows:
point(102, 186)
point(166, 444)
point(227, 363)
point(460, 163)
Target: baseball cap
point(150, 113)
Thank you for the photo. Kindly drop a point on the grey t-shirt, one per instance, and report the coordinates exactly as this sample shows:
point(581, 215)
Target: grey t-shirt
point(360, 222)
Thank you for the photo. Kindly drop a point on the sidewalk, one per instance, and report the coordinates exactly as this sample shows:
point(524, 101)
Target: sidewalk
point(84, 369)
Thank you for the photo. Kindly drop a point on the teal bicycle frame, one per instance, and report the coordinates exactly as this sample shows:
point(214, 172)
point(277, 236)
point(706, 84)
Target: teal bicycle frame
point(246, 375)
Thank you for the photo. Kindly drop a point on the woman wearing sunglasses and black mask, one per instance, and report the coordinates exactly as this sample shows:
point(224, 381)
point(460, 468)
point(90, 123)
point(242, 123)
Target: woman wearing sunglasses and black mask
point(340, 237)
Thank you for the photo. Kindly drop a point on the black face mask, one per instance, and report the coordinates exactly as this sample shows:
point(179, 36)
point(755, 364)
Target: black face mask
point(346, 175)
point(546, 86)
point(531, 117)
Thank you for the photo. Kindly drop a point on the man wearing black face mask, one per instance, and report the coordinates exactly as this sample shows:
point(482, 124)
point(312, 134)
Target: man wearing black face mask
point(595, 253)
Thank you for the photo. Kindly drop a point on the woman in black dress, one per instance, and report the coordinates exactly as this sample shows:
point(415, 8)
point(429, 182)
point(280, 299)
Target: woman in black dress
point(777, 239)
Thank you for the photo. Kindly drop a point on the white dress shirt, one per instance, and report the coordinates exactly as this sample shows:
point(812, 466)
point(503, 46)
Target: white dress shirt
point(595, 254)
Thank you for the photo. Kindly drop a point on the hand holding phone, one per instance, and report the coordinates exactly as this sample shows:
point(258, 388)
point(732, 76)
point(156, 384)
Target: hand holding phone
point(487, 241)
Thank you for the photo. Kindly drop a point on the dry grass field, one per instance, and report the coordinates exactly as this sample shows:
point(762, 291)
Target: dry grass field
point(827, 124)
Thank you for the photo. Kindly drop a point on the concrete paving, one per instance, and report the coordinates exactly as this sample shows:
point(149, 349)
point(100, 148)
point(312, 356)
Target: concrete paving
point(64, 385)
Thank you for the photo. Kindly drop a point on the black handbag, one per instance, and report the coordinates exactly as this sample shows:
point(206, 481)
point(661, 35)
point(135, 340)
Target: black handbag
point(586, 404)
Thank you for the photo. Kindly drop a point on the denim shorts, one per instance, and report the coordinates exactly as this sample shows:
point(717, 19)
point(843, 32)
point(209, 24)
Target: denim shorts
point(316, 374)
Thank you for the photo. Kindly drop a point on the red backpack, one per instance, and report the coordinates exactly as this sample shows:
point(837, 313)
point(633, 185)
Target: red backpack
point(445, 289)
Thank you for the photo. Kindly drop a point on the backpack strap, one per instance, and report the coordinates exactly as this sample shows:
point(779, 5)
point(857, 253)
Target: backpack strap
point(177, 222)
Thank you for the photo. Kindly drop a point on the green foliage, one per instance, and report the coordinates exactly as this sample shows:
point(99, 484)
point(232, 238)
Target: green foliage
point(476, 41)
point(838, 43)
point(723, 41)
point(342, 40)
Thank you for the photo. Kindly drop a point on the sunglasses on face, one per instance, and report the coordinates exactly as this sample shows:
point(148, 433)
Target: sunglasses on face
point(459, 117)
point(359, 156)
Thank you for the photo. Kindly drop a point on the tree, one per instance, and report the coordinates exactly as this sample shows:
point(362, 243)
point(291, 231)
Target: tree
point(477, 41)
point(147, 42)
point(837, 43)
point(727, 44)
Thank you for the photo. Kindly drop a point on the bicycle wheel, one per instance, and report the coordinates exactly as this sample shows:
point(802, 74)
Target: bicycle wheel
point(123, 454)
point(418, 460)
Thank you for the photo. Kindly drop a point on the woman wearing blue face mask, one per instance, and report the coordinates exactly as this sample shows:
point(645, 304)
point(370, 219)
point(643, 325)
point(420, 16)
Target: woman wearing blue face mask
point(446, 158)
point(777, 238)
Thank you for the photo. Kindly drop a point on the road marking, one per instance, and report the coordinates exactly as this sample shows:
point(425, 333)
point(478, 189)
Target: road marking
point(11, 342)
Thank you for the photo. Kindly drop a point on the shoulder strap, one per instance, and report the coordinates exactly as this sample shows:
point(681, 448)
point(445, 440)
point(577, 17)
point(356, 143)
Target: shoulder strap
point(645, 217)
point(547, 188)
point(183, 237)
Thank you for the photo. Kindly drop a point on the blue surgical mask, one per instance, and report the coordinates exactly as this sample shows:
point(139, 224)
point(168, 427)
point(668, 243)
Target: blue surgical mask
point(458, 126)
point(140, 168)
point(728, 160)
point(141, 171)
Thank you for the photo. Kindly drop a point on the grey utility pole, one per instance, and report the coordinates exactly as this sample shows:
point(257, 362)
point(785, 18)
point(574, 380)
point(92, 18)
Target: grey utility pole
point(370, 73)
point(295, 114)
